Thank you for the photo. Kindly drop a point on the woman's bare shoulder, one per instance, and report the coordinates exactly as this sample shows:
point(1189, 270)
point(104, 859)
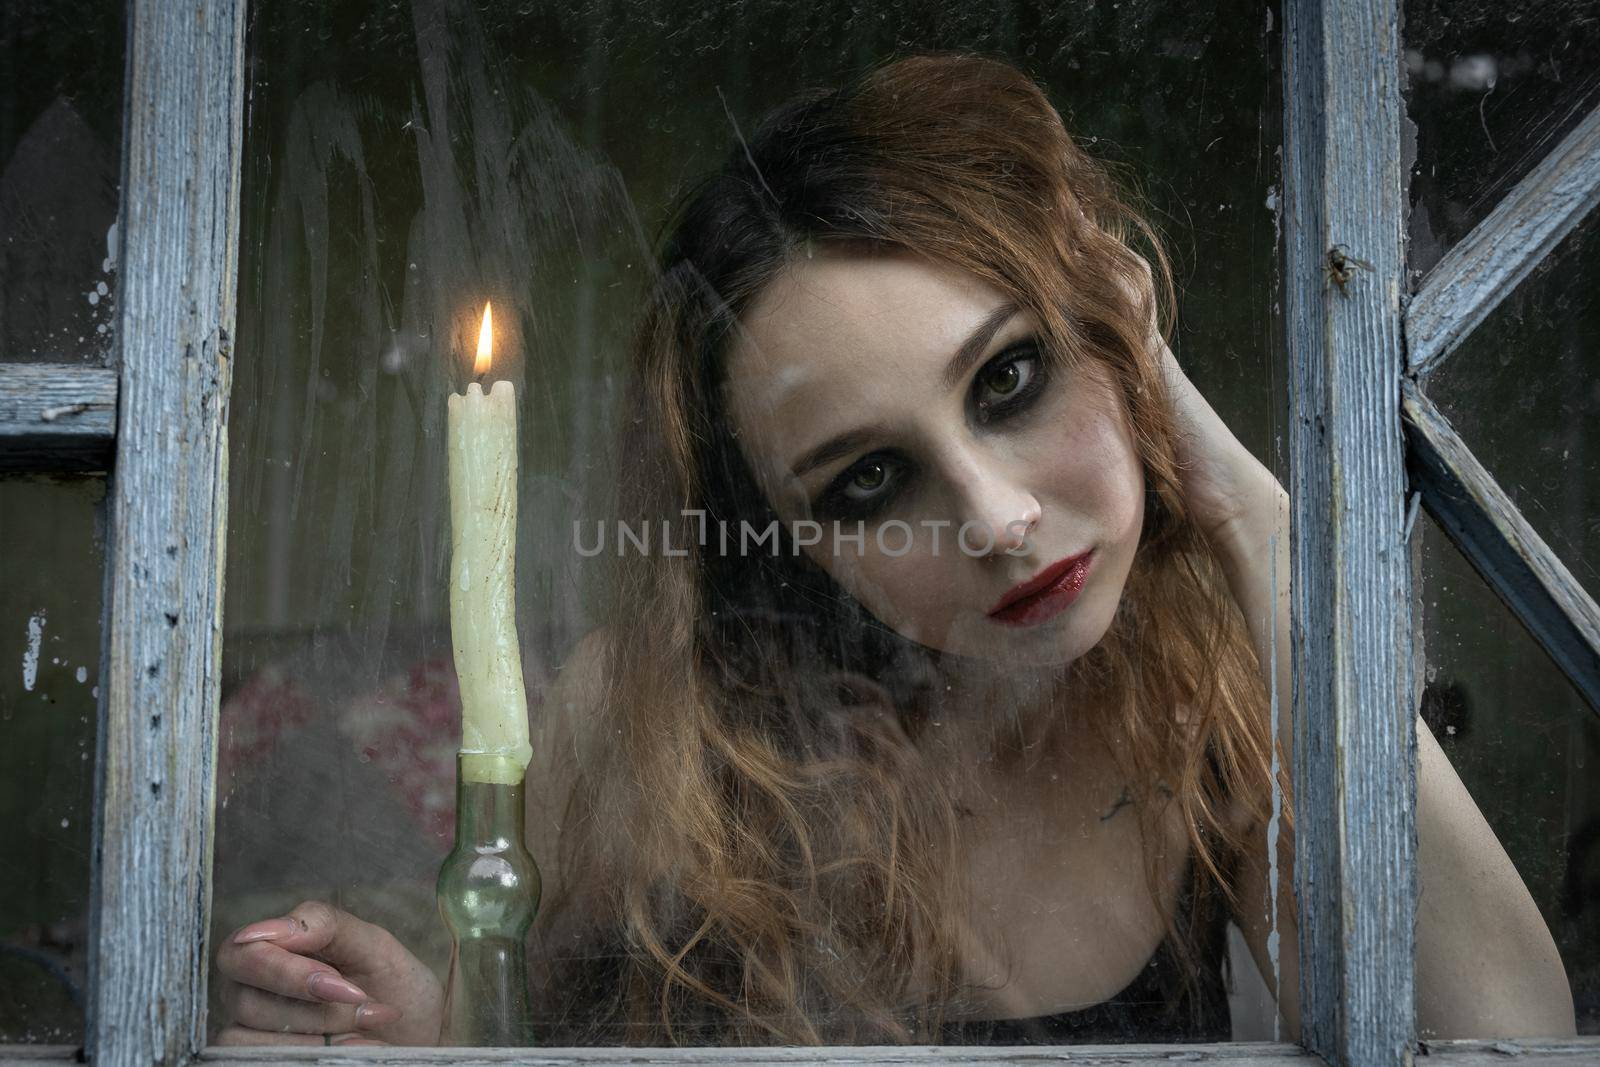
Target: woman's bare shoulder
point(581, 674)
point(563, 730)
point(566, 719)
point(566, 726)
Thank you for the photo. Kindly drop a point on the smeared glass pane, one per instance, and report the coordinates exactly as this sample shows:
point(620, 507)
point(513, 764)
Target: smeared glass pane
point(1523, 393)
point(792, 750)
point(1493, 88)
point(1525, 745)
point(61, 73)
point(50, 590)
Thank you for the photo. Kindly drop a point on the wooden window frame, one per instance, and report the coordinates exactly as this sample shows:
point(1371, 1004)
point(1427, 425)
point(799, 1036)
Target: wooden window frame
point(1363, 434)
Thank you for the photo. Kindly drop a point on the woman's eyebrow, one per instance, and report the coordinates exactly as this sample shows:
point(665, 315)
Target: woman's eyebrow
point(831, 449)
point(978, 340)
point(969, 353)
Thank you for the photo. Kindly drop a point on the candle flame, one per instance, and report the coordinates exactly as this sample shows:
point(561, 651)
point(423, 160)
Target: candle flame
point(485, 344)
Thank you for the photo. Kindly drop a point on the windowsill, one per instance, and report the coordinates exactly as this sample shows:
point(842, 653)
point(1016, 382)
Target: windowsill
point(1244, 1054)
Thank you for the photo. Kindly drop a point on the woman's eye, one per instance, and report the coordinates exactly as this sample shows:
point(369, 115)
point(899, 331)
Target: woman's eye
point(861, 489)
point(866, 480)
point(1008, 380)
point(1003, 380)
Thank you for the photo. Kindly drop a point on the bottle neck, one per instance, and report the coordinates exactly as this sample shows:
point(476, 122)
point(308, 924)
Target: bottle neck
point(488, 814)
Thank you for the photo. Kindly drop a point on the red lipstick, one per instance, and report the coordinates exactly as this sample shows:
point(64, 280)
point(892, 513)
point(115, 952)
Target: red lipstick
point(1045, 595)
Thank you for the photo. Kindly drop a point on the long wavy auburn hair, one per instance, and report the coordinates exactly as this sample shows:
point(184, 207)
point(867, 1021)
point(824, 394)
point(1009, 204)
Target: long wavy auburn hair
point(769, 856)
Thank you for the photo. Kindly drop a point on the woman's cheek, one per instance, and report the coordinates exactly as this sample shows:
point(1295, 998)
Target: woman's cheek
point(908, 588)
point(1122, 491)
point(1099, 473)
point(906, 593)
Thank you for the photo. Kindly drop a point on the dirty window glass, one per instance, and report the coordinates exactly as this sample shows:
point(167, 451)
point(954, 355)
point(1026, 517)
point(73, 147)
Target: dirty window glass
point(781, 790)
point(1523, 393)
point(1525, 745)
point(1492, 91)
point(50, 590)
point(1492, 88)
point(61, 72)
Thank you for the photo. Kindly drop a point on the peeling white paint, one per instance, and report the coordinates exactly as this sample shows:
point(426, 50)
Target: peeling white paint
point(30, 657)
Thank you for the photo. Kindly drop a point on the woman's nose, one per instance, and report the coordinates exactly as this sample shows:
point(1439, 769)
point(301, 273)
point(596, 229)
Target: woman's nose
point(997, 511)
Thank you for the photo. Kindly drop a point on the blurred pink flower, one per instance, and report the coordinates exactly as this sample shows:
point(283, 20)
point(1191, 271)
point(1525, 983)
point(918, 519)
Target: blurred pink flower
point(255, 714)
point(410, 728)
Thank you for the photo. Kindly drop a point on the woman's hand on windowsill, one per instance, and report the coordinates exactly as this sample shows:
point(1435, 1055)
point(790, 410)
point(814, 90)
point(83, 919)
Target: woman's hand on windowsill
point(319, 975)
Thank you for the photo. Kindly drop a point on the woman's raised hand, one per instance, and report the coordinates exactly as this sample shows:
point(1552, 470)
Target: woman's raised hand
point(1224, 485)
point(319, 975)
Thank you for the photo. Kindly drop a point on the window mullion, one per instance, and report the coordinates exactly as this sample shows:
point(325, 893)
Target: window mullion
point(1355, 746)
point(1491, 532)
point(163, 604)
point(1488, 264)
point(57, 416)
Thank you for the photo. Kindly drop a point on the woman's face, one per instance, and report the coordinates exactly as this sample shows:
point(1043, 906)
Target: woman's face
point(892, 397)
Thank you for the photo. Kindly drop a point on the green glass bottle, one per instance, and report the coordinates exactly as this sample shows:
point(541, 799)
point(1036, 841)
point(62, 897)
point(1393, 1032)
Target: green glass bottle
point(488, 895)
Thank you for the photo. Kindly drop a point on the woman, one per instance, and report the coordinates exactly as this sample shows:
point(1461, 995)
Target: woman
point(976, 748)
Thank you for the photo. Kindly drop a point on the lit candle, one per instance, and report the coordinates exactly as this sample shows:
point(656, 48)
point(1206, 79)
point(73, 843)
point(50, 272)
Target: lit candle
point(482, 431)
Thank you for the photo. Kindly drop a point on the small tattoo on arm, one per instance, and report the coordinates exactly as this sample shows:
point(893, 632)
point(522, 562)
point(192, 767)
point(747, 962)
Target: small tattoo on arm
point(1122, 801)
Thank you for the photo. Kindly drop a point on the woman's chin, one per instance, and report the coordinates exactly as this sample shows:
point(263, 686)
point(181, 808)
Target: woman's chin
point(1053, 643)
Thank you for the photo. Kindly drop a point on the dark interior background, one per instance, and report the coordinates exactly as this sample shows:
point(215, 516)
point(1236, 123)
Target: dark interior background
point(404, 162)
point(1493, 88)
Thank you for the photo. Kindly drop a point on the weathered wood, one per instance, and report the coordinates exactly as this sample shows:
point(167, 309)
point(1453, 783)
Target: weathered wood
point(1355, 746)
point(168, 499)
point(57, 417)
point(39, 1055)
point(1440, 1053)
point(1475, 512)
point(1486, 266)
point(1519, 1050)
point(1244, 1054)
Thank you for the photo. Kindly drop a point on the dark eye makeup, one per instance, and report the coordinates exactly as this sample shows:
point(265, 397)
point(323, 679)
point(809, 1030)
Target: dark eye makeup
point(1008, 381)
point(1004, 386)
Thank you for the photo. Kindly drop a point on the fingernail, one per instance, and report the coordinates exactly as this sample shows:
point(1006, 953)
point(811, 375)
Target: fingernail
point(370, 1015)
point(326, 986)
point(266, 930)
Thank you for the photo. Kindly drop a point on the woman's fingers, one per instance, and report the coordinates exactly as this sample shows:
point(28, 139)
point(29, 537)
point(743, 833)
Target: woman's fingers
point(239, 1035)
point(244, 1035)
point(319, 957)
point(266, 966)
point(274, 954)
point(260, 1010)
point(329, 932)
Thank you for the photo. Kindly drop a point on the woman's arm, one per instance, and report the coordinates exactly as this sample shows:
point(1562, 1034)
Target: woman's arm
point(563, 733)
point(1486, 964)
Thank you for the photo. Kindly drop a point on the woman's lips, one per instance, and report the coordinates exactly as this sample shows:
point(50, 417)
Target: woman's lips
point(1045, 595)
